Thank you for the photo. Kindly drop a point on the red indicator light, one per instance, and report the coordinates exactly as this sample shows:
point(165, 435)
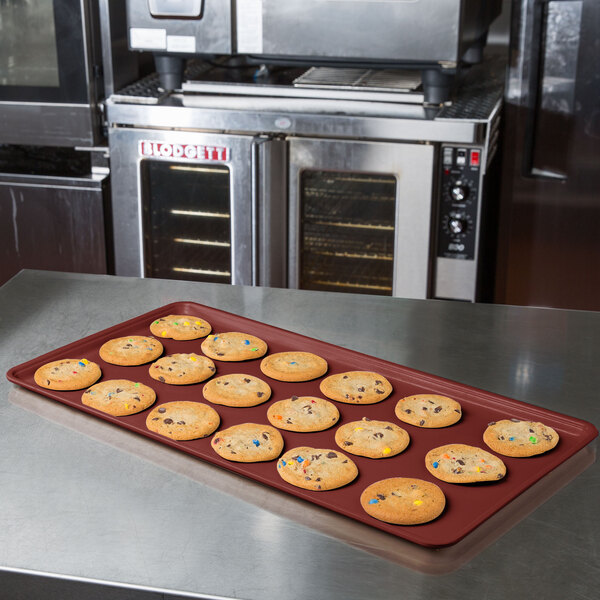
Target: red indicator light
point(475, 154)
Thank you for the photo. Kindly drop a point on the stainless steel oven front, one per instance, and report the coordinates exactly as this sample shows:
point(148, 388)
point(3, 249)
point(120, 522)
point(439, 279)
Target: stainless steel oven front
point(188, 206)
point(308, 213)
point(360, 216)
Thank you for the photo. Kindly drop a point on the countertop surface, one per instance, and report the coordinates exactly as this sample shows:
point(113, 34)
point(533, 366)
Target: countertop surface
point(84, 503)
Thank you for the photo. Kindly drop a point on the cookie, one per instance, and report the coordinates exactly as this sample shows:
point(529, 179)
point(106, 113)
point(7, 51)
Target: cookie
point(373, 439)
point(316, 469)
point(403, 501)
point(183, 420)
point(459, 463)
point(180, 327)
point(131, 350)
point(303, 413)
point(248, 442)
point(512, 437)
point(68, 374)
point(237, 389)
point(182, 369)
point(233, 346)
point(428, 411)
point(119, 397)
point(356, 387)
point(293, 366)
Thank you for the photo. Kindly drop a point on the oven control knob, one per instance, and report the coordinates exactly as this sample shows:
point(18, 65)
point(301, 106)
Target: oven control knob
point(458, 224)
point(459, 191)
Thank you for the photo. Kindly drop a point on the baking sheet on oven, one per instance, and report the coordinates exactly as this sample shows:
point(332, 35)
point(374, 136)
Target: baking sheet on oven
point(468, 506)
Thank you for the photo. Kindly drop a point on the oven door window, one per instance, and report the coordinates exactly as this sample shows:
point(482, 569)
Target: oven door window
point(187, 214)
point(347, 231)
point(42, 52)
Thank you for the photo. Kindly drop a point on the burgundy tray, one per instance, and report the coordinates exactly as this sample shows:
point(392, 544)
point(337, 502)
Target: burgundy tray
point(467, 505)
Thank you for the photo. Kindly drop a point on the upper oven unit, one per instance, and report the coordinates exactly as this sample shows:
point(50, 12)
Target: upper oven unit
point(434, 36)
point(58, 60)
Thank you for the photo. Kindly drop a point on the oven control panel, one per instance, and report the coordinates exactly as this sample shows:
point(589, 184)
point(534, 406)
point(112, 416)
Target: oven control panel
point(457, 223)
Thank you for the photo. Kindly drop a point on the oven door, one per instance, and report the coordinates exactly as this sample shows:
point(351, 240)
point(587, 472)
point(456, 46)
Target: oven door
point(48, 50)
point(360, 217)
point(186, 206)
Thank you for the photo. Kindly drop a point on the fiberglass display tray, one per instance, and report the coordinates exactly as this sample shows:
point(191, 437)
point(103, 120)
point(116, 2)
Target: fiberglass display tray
point(467, 505)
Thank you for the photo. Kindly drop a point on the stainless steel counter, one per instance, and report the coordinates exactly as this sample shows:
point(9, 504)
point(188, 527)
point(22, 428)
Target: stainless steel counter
point(106, 514)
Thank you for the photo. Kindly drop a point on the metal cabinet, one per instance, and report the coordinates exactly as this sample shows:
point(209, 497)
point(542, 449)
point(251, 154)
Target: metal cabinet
point(53, 223)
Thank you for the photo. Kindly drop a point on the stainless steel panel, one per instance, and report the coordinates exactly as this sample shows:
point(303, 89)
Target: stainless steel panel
point(391, 30)
point(455, 279)
point(549, 214)
point(209, 34)
point(52, 223)
point(47, 124)
point(304, 118)
point(271, 213)
point(412, 165)
point(119, 66)
point(124, 146)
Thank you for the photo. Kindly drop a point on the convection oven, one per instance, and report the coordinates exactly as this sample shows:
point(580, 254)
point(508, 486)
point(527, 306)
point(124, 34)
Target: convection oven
point(345, 188)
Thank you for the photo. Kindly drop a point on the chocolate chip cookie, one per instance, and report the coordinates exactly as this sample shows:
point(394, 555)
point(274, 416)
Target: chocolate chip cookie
point(459, 463)
point(237, 389)
point(131, 350)
point(183, 420)
point(303, 413)
point(373, 439)
point(67, 374)
point(119, 397)
point(180, 327)
point(182, 369)
point(316, 469)
point(403, 501)
point(234, 346)
point(428, 410)
point(248, 442)
point(513, 437)
point(293, 366)
point(356, 387)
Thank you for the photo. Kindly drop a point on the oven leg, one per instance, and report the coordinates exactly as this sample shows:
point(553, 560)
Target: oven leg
point(437, 85)
point(170, 71)
point(474, 55)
